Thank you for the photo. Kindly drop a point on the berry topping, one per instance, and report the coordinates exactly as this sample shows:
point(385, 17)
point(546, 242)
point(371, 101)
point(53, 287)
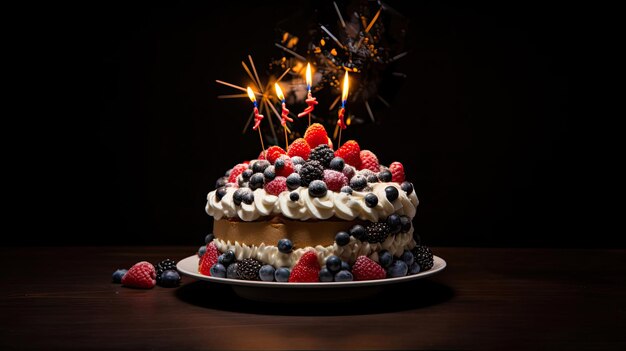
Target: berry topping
point(358, 232)
point(406, 224)
point(369, 175)
point(248, 197)
point(397, 269)
point(384, 176)
point(351, 153)
point(316, 135)
point(306, 270)
point(236, 171)
point(248, 269)
point(276, 186)
point(358, 182)
point(333, 263)
point(317, 188)
point(221, 182)
point(285, 246)
point(266, 273)
point(349, 171)
point(392, 193)
point(163, 266)
point(226, 258)
point(141, 275)
point(220, 192)
point(407, 187)
point(337, 164)
point(294, 196)
point(282, 274)
point(414, 268)
point(346, 189)
point(208, 238)
point(201, 251)
point(262, 155)
point(408, 257)
point(369, 161)
point(366, 269)
point(345, 266)
point(323, 154)
point(395, 223)
point(397, 172)
point(231, 271)
point(342, 238)
point(311, 171)
point(385, 258)
point(424, 257)
point(218, 270)
point(170, 278)
point(245, 175)
point(239, 194)
point(377, 232)
point(299, 148)
point(208, 259)
point(334, 180)
point(344, 276)
point(260, 166)
point(371, 200)
point(256, 181)
point(274, 152)
point(118, 275)
point(269, 173)
point(293, 181)
point(325, 275)
point(297, 160)
point(283, 166)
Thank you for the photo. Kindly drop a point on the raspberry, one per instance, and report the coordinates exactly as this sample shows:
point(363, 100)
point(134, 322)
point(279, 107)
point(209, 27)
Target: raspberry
point(208, 259)
point(310, 171)
point(141, 275)
point(351, 153)
point(316, 135)
point(276, 186)
point(306, 270)
point(237, 170)
point(369, 161)
point(299, 147)
point(397, 172)
point(334, 180)
point(274, 153)
point(261, 155)
point(283, 166)
point(366, 269)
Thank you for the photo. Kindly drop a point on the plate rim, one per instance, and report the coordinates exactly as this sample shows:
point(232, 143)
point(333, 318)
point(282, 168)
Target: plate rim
point(438, 266)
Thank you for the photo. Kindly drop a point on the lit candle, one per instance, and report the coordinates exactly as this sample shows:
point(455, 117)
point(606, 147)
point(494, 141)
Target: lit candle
point(344, 96)
point(257, 117)
point(311, 101)
point(284, 115)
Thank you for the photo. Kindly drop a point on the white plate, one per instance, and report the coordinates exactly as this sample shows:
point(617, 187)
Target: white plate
point(304, 292)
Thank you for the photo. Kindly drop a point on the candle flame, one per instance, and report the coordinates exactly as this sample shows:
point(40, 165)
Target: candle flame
point(344, 94)
point(251, 95)
point(279, 92)
point(309, 80)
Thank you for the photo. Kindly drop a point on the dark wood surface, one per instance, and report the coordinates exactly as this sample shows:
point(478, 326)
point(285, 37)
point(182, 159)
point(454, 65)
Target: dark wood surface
point(62, 298)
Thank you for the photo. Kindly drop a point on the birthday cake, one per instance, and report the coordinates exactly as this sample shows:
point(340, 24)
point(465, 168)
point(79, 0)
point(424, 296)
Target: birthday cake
point(311, 213)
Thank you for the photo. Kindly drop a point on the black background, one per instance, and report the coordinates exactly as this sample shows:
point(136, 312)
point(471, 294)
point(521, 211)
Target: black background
point(124, 135)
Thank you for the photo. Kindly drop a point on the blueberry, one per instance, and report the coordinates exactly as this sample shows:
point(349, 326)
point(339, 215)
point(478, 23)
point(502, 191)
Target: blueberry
point(248, 198)
point(259, 166)
point(231, 271)
point(333, 263)
point(297, 160)
point(342, 238)
point(201, 251)
point(118, 275)
point(358, 231)
point(317, 188)
point(371, 200)
point(372, 178)
point(392, 193)
point(407, 187)
point(220, 260)
point(408, 257)
point(397, 269)
point(220, 192)
point(218, 270)
point(294, 196)
point(345, 266)
point(267, 273)
point(325, 275)
point(337, 164)
point(343, 276)
point(170, 278)
point(415, 268)
point(293, 181)
point(228, 257)
point(269, 173)
point(394, 223)
point(358, 182)
point(282, 274)
point(279, 164)
point(256, 181)
point(238, 196)
point(346, 189)
point(385, 258)
point(208, 238)
point(247, 174)
point(285, 246)
point(384, 176)
point(406, 224)
point(221, 182)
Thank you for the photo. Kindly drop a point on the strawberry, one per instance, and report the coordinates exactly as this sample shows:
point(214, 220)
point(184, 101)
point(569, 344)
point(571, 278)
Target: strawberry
point(276, 186)
point(141, 275)
point(274, 153)
point(306, 270)
point(299, 147)
point(397, 172)
point(209, 259)
point(369, 161)
point(283, 166)
point(351, 153)
point(236, 171)
point(334, 180)
point(366, 269)
point(316, 135)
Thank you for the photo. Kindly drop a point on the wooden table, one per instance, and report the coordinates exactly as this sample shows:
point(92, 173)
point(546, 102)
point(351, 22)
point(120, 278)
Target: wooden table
point(62, 298)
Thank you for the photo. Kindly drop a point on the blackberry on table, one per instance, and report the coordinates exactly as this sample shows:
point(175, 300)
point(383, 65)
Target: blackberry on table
point(163, 266)
point(322, 153)
point(310, 171)
point(377, 232)
point(248, 269)
point(423, 257)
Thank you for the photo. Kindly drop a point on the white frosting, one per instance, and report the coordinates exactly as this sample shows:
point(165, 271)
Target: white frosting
point(341, 205)
point(395, 244)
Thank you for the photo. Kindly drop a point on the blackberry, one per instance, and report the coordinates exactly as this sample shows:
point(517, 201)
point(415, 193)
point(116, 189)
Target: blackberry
point(310, 171)
point(248, 269)
point(322, 153)
point(423, 257)
point(163, 266)
point(377, 232)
